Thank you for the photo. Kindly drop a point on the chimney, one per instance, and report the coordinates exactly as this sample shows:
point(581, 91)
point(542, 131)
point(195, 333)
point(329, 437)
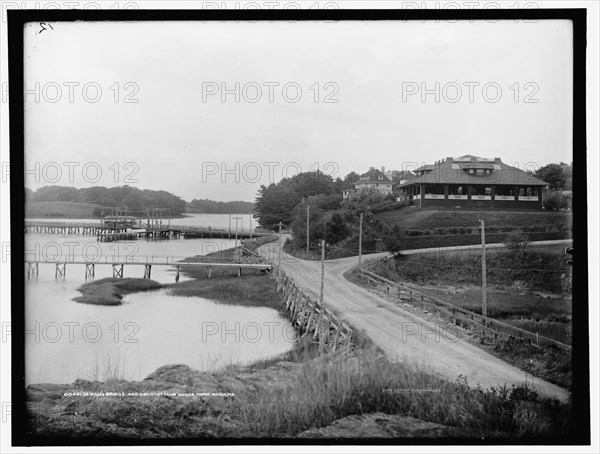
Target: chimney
point(497, 160)
point(449, 159)
point(371, 168)
point(383, 169)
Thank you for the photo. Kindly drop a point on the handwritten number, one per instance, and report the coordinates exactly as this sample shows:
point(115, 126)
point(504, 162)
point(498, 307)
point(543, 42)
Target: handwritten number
point(43, 27)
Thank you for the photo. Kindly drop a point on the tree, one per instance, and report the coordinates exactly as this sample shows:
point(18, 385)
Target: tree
point(276, 202)
point(336, 228)
point(555, 200)
point(553, 174)
point(394, 241)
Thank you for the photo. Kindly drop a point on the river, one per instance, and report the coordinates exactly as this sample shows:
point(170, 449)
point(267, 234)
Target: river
point(66, 340)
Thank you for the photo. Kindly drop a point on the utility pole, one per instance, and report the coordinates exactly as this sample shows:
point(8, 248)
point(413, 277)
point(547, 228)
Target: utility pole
point(280, 246)
point(229, 225)
point(483, 272)
point(307, 226)
point(322, 271)
point(236, 219)
point(360, 241)
point(250, 216)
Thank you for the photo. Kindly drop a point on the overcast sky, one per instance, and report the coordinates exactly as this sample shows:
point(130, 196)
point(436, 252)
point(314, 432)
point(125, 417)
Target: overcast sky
point(181, 137)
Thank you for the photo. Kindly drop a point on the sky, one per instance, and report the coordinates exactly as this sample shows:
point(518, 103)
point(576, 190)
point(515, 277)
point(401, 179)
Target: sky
point(215, 109)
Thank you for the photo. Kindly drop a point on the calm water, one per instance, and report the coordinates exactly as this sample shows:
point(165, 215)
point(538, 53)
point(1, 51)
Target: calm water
point(68, 340)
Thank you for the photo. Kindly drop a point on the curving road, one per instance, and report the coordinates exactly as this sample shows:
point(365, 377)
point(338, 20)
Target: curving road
point(404, 336)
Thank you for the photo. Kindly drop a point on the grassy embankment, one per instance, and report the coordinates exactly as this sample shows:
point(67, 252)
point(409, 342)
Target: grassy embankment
point(432, 227)
point(528, 289)
point(343, 395)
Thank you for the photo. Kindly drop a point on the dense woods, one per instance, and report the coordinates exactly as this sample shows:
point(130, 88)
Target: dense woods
point(134, 199)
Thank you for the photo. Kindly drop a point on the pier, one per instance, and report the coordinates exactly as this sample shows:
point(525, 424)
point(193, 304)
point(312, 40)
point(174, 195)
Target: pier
point(60, 267)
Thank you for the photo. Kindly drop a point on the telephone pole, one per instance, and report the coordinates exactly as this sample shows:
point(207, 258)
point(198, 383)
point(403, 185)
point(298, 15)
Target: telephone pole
point(236, 219)
point(229, 226)
point(307, 226)
point(483, 272)
point(280, 246)
point(360, 241)
point(322, 271)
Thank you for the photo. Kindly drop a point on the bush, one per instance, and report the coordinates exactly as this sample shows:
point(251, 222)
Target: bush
point(516, 241)
point(394, 241)
point(556, 201)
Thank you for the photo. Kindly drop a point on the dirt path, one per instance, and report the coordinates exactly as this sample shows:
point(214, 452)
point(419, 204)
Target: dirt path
point(404, 336)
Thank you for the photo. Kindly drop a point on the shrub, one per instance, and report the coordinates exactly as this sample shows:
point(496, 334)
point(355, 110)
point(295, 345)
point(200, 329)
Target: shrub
point(555, 201)
point(516, 241)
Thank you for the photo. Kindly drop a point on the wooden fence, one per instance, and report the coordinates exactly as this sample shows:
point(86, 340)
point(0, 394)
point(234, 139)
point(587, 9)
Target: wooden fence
point(487, 328)
point(312, 318)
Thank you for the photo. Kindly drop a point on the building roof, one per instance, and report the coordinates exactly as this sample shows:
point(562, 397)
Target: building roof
point(373, 176)
point(456, 171)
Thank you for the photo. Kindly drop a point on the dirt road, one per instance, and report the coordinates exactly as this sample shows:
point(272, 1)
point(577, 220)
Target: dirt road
point(403, 336)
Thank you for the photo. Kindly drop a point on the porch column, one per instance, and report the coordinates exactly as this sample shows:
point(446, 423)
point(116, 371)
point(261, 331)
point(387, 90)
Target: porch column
point(446, 190)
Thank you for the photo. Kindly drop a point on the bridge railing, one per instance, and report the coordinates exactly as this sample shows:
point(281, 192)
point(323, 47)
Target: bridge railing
point(456, 313)
point(108, 259)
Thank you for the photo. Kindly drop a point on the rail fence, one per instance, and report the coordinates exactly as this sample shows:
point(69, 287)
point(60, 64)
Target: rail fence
point(487, 328)
point(312, 318)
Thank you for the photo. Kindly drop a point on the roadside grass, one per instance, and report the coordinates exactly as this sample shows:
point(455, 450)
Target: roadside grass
point(110, 291)
point(324, 391)
point(532, 270)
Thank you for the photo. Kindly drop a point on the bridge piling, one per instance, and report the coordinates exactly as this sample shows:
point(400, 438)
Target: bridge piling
point(90, 270)
point(60, 271)
point(117, 272)
point(32, 270)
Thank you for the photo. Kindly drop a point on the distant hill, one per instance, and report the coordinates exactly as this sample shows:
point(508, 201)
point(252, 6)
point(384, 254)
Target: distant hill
point(205, 206)
point(75, 210)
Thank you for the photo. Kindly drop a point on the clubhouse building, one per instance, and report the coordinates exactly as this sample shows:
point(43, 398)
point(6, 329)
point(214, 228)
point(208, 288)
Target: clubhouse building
point(471, 181)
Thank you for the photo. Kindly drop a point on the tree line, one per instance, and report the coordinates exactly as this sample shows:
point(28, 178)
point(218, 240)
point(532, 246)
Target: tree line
point(134, 199)
point(213, 207)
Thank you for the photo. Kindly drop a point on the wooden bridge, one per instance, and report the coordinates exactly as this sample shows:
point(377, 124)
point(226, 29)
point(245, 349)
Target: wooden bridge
point(105, 233)
point(147, 262)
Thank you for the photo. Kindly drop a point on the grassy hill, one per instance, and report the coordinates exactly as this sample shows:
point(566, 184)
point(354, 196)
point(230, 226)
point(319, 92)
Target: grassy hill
point(422, 218)
point(73, 210)
point(427, 228)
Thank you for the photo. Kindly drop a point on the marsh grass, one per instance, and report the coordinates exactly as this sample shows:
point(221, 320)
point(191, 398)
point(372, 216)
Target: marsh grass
point(110, 291)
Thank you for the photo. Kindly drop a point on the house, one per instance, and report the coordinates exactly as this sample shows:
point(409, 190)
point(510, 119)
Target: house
point(471, 181)
point(375, 179)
